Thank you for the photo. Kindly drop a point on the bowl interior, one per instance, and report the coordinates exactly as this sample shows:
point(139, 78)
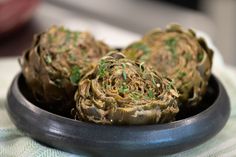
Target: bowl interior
point(208, 99)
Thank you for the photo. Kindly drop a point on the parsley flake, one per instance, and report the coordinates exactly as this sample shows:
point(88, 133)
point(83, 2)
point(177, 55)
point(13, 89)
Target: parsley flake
point(181, 74)
point(68, 36)
point(75, 75)
point(102, 68)
point(76, 36)
point(200, 56)
point(141, 46)
point(170, 85)
point(123, 71)
point(135, 95)
point(144, 48)
point(150, 94)
point(123, 89)
point(171, 46)
point(48, 59)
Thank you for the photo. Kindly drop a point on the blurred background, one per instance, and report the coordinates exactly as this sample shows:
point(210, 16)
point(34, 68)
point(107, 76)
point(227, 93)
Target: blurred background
point(116, 22)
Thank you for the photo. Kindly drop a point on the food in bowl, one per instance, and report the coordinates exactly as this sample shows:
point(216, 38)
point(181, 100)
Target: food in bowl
point(152, 80)
point(121, 91)
point(180, 55)
point(54, 64)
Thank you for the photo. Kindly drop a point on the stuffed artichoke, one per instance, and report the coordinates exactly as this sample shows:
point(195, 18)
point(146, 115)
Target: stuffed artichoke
point(56, 62)
point(120, 91)
point(181, 56)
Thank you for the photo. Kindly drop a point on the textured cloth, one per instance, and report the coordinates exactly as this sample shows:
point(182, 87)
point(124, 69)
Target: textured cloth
point(13, 143)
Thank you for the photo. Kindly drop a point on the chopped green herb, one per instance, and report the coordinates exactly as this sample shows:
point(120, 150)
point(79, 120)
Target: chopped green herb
point(68, 36)
point(171, 46)
point(170, 85)
point(200, 56)
point(141, 46)
point(135, 95)
point(123, 89)
point(150, 94)
point(102, 68)
point(62, 49)
point(171, 42)
point(153, 80)
point(181, 74)
point(123, 71)
point(76, 36)
point(48, 59)
point(144, 48)
point(144, 57)
point(75, 75)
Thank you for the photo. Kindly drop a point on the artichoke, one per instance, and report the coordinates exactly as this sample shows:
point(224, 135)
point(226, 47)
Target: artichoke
point(120, 91)
point(56, 62)
point(180, 55)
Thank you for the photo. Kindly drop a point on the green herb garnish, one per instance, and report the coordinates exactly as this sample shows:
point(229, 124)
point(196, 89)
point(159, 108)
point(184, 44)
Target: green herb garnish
point(75, 75)
point(150, 94)
point(102, 68)
point(76, 36)
point(62, 49)
point(153, 80)
point(123, 71)
point(48, 59)
point(123, 89)
point(68, 36)
point(170, 85)
point(144, 48)
point(181, 74)
point(200, 56)
point(171, 46)
point(135, 95)
point(141, 46)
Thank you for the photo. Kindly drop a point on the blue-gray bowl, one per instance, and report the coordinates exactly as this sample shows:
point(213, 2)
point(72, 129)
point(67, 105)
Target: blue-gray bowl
point(188, 131)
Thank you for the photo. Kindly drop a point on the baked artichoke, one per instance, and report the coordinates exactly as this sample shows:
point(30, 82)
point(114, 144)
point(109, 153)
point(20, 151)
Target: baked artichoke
point(120, 91)
point(180, 55)
point(56, 62)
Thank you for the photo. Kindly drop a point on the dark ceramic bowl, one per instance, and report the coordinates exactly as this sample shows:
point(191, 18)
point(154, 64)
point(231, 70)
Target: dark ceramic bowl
point(104, 140)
